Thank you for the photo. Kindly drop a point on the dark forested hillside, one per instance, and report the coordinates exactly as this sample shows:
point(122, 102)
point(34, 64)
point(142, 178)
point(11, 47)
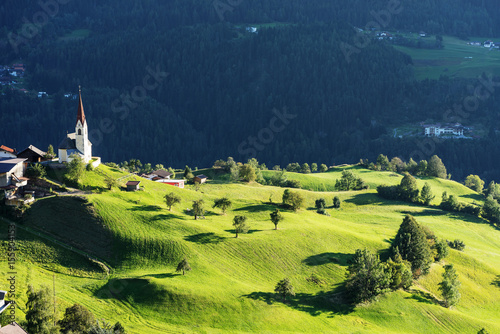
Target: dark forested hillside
point(184, 82)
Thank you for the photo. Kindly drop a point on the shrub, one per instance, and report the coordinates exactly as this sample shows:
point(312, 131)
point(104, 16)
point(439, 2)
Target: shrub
point(457, 244)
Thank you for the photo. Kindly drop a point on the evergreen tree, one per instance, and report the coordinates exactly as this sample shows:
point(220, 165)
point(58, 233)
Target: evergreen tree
point(436, 168)
point(426, 194)
point(50, 153)
point(412, 244)
point(366, 277)
point(383, 162)
point(449, 286)
point(40, 311)
point(408, 188)
point(442, 250)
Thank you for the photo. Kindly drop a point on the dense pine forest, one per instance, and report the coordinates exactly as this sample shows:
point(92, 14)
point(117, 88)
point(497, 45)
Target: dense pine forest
point(185, 82)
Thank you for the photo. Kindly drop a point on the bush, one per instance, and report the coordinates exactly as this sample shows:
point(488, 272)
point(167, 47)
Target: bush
point(457, 244)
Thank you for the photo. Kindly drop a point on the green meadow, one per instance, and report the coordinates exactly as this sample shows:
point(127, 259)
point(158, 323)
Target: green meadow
point(230, 288)
point(456, 59)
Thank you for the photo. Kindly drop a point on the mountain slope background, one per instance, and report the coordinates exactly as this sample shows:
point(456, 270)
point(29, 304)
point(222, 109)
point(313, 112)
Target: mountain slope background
point(219, 85)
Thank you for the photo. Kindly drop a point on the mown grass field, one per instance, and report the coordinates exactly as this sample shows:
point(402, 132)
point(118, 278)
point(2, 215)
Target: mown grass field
point(230, 289)
point(457, 59)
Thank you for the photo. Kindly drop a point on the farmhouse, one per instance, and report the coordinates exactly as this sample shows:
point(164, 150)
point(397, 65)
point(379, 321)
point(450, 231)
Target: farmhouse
point(133, 185)
point(33, 154)
point(175, 183)
point(158, 175)
point(488, 44)
point(7, 152)
point(78, 142)
point(200, 178)
point(12, 179)
point(12, 328)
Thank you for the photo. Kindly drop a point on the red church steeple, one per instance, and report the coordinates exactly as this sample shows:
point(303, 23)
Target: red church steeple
point(81, 114)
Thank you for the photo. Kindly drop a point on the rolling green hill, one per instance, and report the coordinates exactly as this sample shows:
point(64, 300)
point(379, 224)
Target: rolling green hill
point(230, 288)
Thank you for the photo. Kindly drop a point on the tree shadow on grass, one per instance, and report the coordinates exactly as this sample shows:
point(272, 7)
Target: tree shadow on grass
point(205, 238)
point(425, 212)
point(332, 302)
point(149, 208)
point(249, 231)
point(167, 216)
point(165, 275)
point(496, 281)
point(255, 208)
point(370, 199)
point(423, 297)
point(325, 258)
point(475, 197)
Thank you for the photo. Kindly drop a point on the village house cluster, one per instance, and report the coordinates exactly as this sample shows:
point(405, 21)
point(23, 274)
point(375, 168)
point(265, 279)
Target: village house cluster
point(10, 75)
point(487, 44)
point(13, 164)
point(14, 190)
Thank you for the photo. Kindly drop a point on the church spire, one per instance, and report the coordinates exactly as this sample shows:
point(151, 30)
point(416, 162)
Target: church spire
point(81, 114)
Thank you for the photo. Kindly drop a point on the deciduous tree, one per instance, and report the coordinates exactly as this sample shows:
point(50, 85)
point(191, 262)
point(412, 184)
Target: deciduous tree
point(198, 209)
point(171, 199)
point(475, 183)
point(77, 319)
point(223, 203)
point(183, 266)
point(284, 289)
point(276, 217)
point(240, 225)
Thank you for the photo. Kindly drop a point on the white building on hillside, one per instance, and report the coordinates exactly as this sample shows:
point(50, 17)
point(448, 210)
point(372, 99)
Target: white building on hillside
point(438, 130)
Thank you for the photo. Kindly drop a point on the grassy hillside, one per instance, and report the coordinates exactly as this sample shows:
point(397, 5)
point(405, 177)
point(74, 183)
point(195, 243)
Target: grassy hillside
point(457, 59)
point(230, 288)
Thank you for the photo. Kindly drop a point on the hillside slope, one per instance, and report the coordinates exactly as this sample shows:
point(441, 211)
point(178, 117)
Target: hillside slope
point(230, 288)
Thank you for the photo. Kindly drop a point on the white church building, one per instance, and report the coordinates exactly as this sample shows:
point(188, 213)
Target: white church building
point(78, 142)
